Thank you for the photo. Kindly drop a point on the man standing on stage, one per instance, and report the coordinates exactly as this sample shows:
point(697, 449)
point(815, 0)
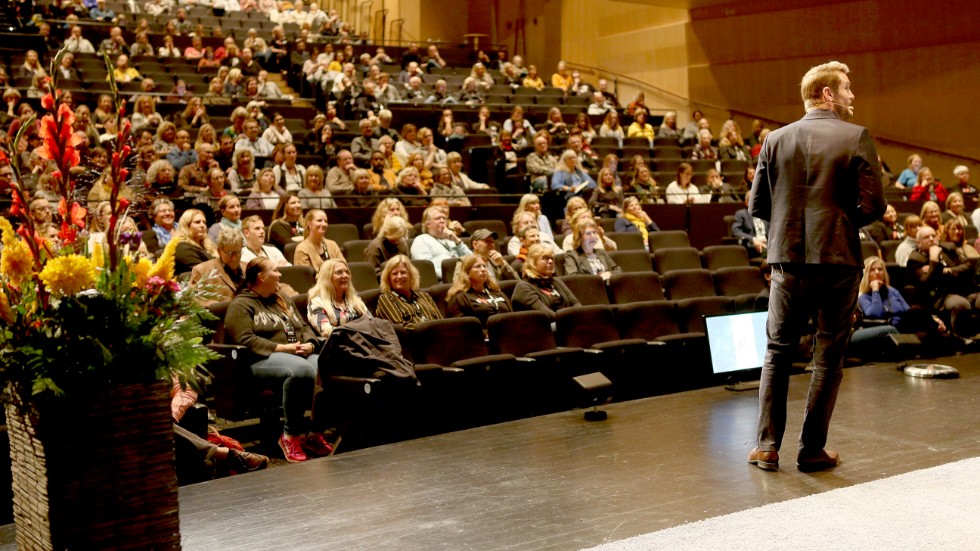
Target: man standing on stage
point(817, 183)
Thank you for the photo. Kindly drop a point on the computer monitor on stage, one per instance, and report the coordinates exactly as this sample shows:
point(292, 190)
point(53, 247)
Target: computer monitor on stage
point(737, 343)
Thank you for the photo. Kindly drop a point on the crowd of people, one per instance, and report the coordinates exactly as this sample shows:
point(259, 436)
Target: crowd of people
point(204, 184)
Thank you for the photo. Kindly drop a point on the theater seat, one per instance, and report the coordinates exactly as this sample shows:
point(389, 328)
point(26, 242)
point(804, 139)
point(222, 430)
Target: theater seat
point(663, 239)
point(588, 289)
point(715, 257)
point(668, 259)
point(635, 287)
point(682, 284)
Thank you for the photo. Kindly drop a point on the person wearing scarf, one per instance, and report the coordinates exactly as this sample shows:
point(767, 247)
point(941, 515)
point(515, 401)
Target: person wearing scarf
point(635, 219)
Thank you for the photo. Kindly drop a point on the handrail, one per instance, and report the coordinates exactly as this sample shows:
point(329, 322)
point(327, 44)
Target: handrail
point(617, 77)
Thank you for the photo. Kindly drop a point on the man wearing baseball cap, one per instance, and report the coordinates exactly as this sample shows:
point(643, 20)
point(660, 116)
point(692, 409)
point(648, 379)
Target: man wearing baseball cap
point(484, 245)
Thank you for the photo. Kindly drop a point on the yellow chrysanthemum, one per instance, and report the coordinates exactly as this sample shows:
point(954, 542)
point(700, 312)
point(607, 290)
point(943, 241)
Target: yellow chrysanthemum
point(6, 314)
point(16, 262)
point(164, 267)
point(142, 270)
point(68, 275)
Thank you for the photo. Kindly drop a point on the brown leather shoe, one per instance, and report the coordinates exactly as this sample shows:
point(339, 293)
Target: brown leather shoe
point(822, 461)
point(767, 461)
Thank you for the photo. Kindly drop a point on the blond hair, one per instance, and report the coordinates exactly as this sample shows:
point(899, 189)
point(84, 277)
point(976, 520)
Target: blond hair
point(818, 78)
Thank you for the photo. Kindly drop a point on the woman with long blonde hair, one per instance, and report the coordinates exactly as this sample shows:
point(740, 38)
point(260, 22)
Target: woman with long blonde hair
point(195, 246)
point(333, 299)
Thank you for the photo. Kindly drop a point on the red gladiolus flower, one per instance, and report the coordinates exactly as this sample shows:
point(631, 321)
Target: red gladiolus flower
point(123, 173)
point(78, 212)
point(24, 232)
point(47, 102)
point(17, 208)
point(68, 233)
point(123, 203)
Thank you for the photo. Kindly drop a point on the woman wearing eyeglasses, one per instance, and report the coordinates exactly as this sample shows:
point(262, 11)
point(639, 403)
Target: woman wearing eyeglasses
point(540, 290)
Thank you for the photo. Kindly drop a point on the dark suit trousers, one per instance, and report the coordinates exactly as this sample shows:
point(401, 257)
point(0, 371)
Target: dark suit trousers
point(828, 294)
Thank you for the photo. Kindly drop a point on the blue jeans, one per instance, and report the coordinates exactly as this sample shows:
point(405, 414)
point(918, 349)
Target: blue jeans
point(298, 375)
point(828, 294)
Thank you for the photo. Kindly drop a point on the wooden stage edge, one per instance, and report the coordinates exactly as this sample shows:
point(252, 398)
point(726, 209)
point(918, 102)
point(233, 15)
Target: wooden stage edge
point(559, 482)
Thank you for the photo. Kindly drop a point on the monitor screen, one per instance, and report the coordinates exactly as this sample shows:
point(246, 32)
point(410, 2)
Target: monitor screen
point(737, 342)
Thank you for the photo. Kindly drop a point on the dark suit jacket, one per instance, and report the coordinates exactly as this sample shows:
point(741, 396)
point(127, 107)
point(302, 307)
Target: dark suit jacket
point(743, 228)
point(577, 263)
point(818, 182)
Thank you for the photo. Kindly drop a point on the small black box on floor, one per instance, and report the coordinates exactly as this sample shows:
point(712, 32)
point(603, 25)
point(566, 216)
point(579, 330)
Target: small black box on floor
point(598, 388)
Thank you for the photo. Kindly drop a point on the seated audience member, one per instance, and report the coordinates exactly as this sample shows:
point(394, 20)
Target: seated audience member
point(161, 231)
point(287, 222)
point(268, 324)
point(927, 188)
point(731, 145)
point(230, 209)
point(570, 177)
point(474, 292)
point(484, 245)
point(363, 195)
point(668, 128)
point(521, 221)
point(123, 72)
point(541, 164)
point(533, 80)
point(909, 244)
point(636, 104)
point(585, 257)
point(362, 146)
point(963, 185)
point(459, 179)
point(945, 281)
point(386, 209)
point(635, 220)
point(195, 246)
point(751, 232)
point(333, 300)
point(161, 181)
point(717, 191)
point(888, 228)
point(254, 232)
point(194, 177)
point(443, 187)
point(182, 154)
point(437, 241)
point(521, 130)
point(955, 209)
point(555, 125)
point(607, 198)
point(401, 301)
point(611, 128)
point(259, 146)
point(277, 133)
point(704, 149)
point(539, 289)
point(645, 187)
point(955, 233)
point(222, 275)
point(561, 79)
point(682, 190)
point(689, 134)
point(289, 174)
point(600, 105)
point(640, 128)
point(531, 203)
point(528, 236)
point(315, 247)
point(264, 195)
point(909, 177)
point(383, 179)
point(392, 241)
point(878, 300)
point(243, 175)
point(340, 178)
point(314, 194)
point(932, 217)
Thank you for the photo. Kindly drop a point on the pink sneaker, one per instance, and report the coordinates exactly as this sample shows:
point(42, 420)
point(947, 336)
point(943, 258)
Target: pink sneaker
point(292, 448)
point(316, 445)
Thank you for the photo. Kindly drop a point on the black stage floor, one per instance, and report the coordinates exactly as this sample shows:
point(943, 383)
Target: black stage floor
point(559, 482)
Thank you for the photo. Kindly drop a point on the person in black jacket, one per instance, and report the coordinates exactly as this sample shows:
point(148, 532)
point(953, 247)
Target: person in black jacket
point(539, 290)
point(474, 293)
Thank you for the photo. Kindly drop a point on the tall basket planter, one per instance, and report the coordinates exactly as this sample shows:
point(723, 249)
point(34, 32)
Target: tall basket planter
point(95, 470)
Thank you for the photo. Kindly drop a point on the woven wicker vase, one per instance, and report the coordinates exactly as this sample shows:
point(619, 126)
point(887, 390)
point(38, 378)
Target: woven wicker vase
point(95, 471)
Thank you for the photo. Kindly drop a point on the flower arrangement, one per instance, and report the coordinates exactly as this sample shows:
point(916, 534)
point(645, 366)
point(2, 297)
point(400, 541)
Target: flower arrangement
point(72, 318)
